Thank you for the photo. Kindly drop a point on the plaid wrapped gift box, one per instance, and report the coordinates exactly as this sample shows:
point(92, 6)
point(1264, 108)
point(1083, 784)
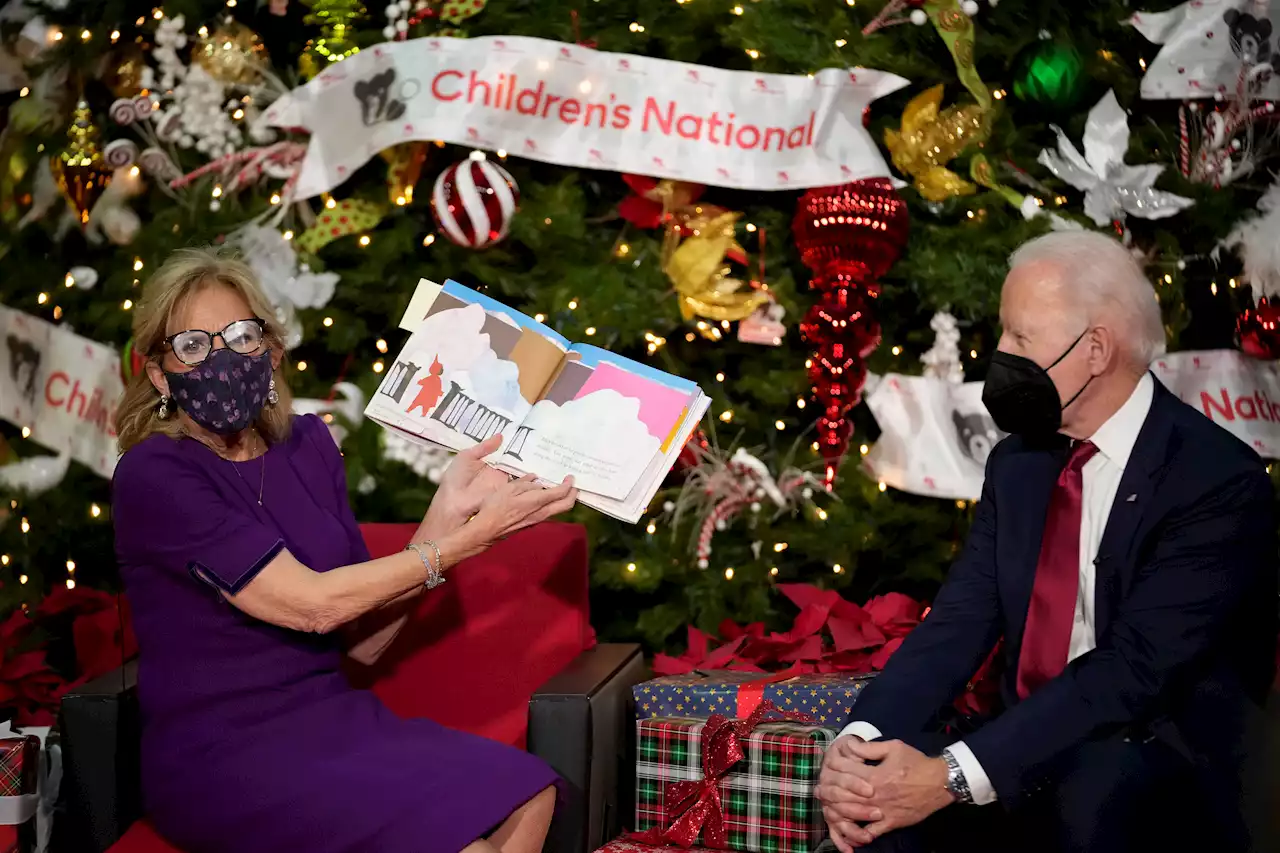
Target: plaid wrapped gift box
point(18, 774)
point(767, 797)
point(825, 698)
point(622, 845)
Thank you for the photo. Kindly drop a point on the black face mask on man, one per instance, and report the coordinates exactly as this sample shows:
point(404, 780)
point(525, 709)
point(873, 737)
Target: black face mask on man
point(1021, 397)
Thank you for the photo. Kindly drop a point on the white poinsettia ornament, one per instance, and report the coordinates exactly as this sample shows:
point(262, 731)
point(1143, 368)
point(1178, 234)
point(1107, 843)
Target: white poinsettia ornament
point(289, 284)
point(1113, 190)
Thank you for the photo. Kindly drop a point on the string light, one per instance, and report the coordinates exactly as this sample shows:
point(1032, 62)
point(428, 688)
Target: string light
point(897, 350)
point(1231, 283)
point(753, 53)
point(541, 318)
point(1168, 279)
point(4, 559)
point(217, 191)
point(841, 42)
point(960, 504)
point(814, 447)
point(71, 567)
point(502, 154)
point(94, 510)
point(23, 579)
point(822, 514)
point(652, 528)
point(655, 342)
point(973, 353)
point(864, 450)
point(837, 568)
point(590, 330)
point(547, 221)
point(381, 345)
point(623, 249)
point(330, 203)
point(999, 94)
point(56, 35)
point(779, 547)
point(288, 235)
point(738, 10)
point(719, 377)
point(302, 365)
point(85, 35)
point(636, 27)
point(1213, 288)
point(428, 240)
point(42, 298)
point(115, 35)
point(137, 264)
point(23, 92)
point(774, 571)
point(881, 486)
point(57, 312)
point(726, 415)
point(1142, 63)
point(780, 425)
point(364, 240)
point(378, 366)
point(328, 321)
point(573, 305)
point(275, 198)
point(26, 432)
point(158, 14)
point(70, 280)
point(631, 567)
point(26, 526)
point(71, 583)
point(728, 574)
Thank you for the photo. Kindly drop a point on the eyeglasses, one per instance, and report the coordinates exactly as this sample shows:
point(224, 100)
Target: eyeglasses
point(194, 345)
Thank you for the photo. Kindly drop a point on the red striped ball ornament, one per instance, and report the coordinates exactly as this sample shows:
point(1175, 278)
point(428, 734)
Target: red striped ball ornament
point(474, 201)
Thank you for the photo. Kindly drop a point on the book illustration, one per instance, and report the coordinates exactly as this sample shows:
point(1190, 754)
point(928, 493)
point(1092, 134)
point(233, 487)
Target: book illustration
point(484, 372)
point(431, 389)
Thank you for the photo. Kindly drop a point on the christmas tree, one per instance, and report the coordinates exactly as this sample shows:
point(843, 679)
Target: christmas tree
point(168, 102)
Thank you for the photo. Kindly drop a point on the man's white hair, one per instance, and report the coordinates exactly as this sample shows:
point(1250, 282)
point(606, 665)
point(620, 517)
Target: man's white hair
point(1101, 278)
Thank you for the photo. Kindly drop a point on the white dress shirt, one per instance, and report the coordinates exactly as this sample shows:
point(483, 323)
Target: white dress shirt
point(1115, 440)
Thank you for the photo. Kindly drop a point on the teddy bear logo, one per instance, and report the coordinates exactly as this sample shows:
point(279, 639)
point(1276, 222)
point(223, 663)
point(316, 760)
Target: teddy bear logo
point(377, 104)
point(977, 434)
point(1250, 36)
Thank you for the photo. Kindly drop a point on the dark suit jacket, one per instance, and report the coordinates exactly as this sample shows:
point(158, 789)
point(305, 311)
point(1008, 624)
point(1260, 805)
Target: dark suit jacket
point(1185, 607)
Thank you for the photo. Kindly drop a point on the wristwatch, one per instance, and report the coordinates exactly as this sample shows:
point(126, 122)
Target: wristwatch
point(957, 785)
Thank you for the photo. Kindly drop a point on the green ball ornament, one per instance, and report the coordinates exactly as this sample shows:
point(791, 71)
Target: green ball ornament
point(1050, 74)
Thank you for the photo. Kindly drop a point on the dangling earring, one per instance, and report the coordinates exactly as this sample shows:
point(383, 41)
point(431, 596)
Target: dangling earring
point(272, 396)
point(163, 412)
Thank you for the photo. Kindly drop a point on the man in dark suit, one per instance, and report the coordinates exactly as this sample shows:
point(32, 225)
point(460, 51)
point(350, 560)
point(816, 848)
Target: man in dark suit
point(1124, 549)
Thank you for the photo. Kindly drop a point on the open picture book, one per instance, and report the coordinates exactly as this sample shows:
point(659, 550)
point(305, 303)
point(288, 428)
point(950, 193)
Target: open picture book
point(474, 368)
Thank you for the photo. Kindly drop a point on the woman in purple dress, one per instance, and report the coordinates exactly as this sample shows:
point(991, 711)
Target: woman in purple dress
point(248, 581)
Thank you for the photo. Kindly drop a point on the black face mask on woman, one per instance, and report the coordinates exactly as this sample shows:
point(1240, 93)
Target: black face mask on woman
point(1021, 397)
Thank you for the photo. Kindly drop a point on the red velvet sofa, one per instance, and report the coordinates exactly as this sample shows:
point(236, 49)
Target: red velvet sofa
point(471, 656)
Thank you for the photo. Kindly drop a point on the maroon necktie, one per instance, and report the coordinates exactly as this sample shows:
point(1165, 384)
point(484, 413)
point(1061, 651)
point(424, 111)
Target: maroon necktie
point(1046, 642)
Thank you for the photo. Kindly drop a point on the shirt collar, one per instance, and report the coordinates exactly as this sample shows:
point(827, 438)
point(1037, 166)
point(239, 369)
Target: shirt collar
point(1115, 438)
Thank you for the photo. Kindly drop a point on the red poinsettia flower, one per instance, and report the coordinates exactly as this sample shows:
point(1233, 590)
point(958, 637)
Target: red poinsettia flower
point(644, 207)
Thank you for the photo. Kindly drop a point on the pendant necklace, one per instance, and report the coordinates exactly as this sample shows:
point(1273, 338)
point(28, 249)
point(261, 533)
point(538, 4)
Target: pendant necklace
point(262, 479)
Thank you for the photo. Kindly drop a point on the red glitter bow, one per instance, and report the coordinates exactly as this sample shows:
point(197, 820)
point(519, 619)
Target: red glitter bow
point(696, 805)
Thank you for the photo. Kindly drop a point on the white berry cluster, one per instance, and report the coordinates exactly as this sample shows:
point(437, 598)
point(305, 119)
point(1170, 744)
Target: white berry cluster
point(942, 361)
point(398, 17)
point(970, 7)
point(429, 462)
point(192, 108)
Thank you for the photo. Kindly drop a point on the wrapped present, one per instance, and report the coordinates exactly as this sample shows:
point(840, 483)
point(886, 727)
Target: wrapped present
point(825, 698)
point(623, 845)
point(19, 772)
point(730, 784)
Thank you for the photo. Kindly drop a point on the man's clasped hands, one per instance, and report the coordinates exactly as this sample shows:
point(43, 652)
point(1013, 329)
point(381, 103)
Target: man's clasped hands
point(868, 789)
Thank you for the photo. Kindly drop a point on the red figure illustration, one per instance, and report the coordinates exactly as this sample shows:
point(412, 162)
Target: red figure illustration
point(432, 389)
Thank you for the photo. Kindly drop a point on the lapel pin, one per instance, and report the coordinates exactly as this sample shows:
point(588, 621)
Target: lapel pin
point(1132, 498)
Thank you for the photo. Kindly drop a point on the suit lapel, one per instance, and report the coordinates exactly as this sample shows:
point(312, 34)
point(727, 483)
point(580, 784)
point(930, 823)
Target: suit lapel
point(1146, 466)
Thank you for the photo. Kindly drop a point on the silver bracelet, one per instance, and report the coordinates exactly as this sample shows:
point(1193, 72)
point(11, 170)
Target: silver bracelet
point(435, 574)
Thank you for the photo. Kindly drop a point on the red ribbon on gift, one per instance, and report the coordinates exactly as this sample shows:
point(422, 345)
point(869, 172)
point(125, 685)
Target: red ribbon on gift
point(829, 635)
point(696, 805)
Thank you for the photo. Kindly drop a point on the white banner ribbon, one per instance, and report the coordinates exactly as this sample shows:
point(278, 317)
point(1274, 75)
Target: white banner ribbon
point(574, 106)
point(64, 387)
point(1235, 391)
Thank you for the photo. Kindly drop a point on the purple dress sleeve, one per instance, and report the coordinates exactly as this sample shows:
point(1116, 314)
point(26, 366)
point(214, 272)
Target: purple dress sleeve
point(322, 439)
point(168, 514)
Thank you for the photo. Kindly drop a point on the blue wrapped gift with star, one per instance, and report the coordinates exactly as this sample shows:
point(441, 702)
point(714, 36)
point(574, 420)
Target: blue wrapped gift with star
point(826, 698)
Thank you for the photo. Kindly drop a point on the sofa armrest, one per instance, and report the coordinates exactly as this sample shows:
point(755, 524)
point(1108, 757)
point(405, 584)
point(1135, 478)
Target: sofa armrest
point(580, 724)
point(101, 792)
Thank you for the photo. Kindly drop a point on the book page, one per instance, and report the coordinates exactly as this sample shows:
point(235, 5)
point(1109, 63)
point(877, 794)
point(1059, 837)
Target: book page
point(601, 422)
point(473, 368)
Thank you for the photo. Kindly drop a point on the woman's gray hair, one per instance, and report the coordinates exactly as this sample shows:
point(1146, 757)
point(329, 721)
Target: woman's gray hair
point(1102, 279)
